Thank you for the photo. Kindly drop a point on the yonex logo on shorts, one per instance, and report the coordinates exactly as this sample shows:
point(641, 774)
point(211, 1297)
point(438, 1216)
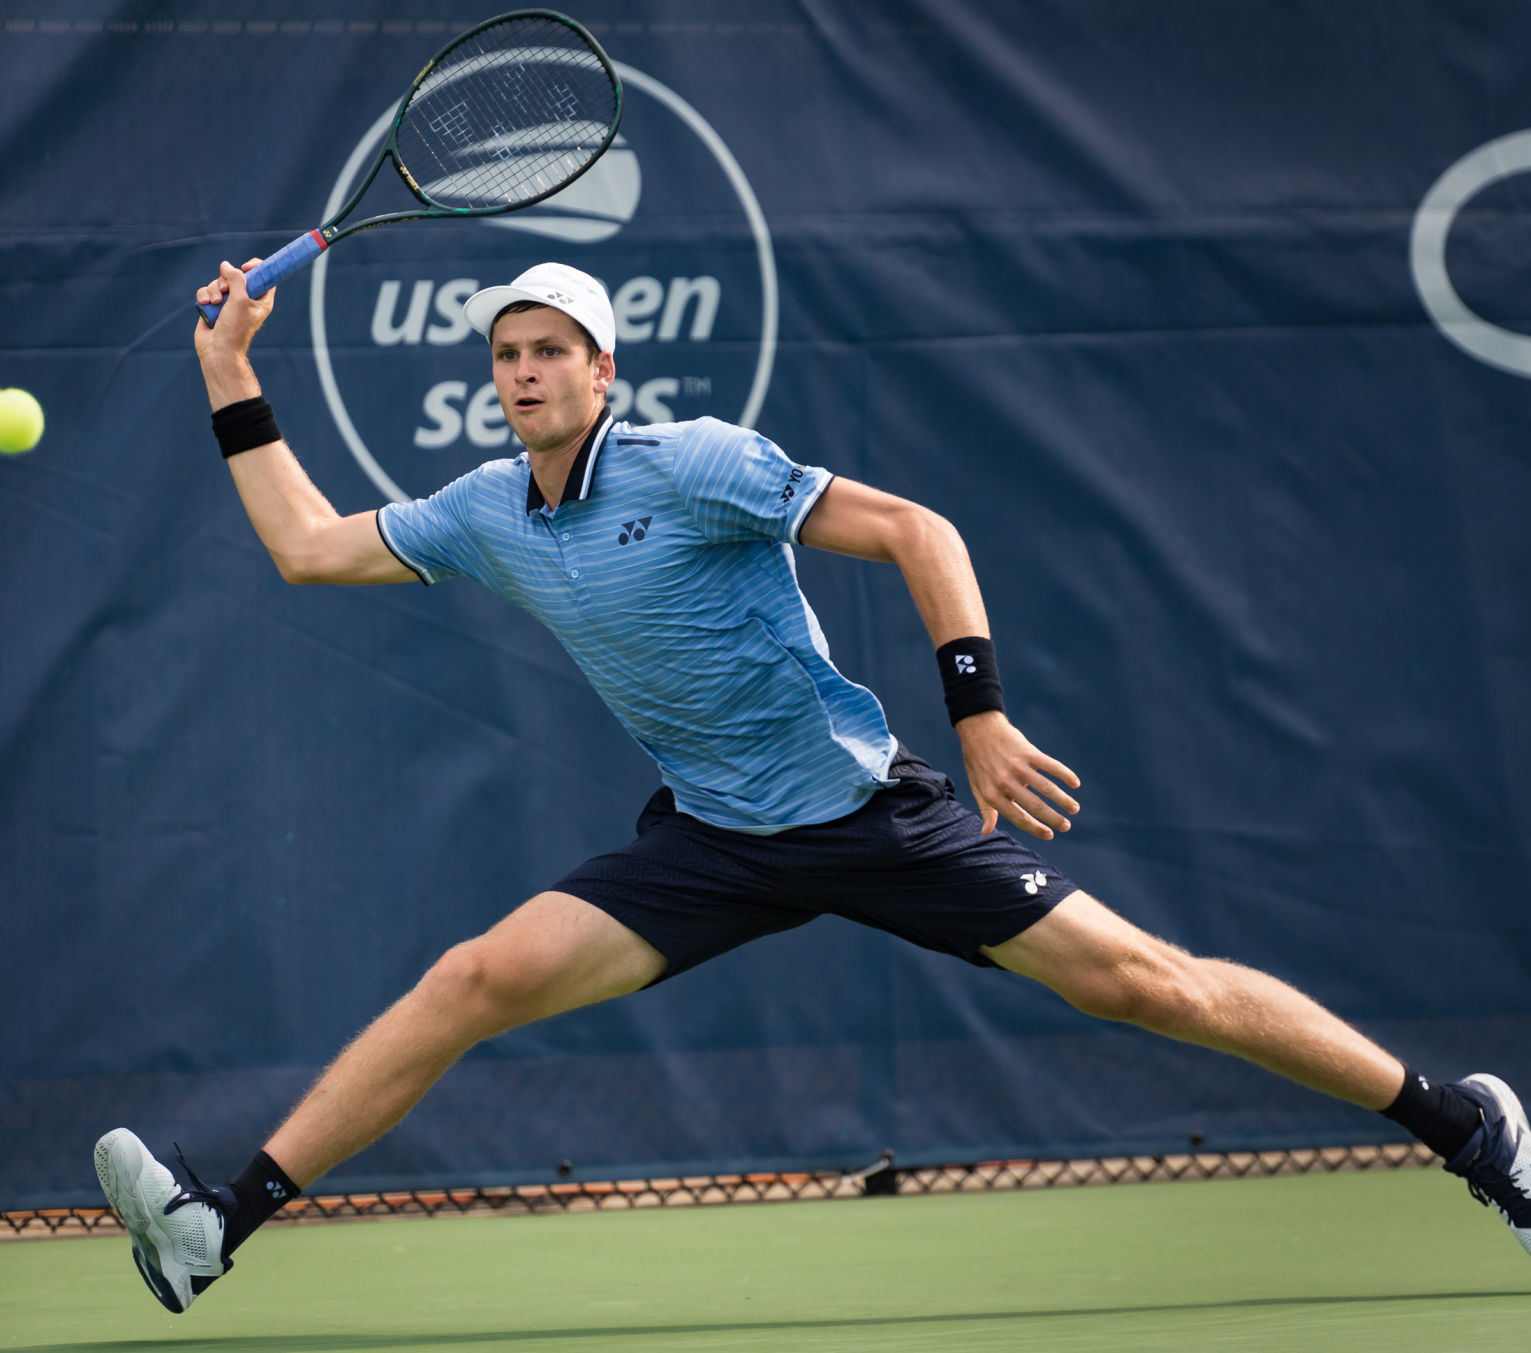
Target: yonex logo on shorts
point(634, 530)
point(1034, 882)
point(965, 664)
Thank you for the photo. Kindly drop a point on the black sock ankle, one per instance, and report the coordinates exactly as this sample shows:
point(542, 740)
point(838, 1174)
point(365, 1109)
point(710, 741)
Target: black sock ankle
point(260, 1190)
point(1438, 1115)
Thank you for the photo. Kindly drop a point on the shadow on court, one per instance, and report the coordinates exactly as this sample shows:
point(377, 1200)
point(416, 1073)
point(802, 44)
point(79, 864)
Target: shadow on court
point(321, 1343)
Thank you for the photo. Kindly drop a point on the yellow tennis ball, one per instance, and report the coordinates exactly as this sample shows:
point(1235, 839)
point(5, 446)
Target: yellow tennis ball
point(21, 422)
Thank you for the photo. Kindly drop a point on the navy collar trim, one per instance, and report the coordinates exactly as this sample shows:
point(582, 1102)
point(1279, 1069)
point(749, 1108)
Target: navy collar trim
point(576, 487)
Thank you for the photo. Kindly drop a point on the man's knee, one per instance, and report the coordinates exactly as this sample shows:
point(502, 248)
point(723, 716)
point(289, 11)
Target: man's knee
point(1105, 966)
point(1149, 983)
point(554, 953)
point(475, 982)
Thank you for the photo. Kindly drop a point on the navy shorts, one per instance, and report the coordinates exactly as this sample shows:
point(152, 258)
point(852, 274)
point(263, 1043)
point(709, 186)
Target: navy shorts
point(911, 861)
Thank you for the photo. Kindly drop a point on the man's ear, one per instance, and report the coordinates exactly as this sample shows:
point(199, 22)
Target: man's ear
point(605, 372)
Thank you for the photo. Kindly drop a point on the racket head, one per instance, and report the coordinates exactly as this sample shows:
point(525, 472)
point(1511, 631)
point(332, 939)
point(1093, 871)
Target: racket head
point(506, 114)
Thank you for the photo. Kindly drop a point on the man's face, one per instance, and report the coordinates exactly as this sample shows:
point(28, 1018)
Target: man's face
point(548, 386)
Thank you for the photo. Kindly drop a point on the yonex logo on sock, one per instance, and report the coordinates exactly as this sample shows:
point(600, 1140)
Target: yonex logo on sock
point(1034, 882)
point(634, 530)
point(965, 664)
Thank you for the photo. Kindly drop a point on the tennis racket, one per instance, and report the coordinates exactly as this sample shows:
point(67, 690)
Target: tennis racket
point(504, 115)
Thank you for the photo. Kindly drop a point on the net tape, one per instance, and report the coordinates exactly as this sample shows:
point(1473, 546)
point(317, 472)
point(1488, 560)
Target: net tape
point(881, 1179)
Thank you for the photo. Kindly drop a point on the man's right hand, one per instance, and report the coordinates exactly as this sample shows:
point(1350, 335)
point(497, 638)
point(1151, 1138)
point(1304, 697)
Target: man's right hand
point(223, 348)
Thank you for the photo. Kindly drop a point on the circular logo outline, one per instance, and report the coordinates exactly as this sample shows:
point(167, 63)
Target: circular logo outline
point(765, 257)
point(1491, 343)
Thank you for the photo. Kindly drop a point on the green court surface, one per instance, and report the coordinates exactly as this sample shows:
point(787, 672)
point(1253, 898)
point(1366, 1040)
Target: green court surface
point(1358, 1262)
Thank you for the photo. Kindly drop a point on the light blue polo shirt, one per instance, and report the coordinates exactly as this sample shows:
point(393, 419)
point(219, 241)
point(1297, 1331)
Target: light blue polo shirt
point(666, 572)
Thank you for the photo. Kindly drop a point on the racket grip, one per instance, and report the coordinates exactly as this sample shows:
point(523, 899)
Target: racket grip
point(269, 271)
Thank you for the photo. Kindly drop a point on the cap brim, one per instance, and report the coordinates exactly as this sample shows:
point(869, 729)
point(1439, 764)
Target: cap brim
point(483, 306)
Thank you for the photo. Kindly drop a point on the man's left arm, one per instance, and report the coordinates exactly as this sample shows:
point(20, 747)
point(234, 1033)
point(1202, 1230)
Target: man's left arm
point(1009, 776)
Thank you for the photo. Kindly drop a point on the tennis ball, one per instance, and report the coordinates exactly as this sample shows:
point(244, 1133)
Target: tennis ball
point(21, 422)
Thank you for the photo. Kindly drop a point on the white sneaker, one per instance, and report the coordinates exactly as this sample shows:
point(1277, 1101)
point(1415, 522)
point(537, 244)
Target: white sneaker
point(1497, 1161)
point(177, 1229)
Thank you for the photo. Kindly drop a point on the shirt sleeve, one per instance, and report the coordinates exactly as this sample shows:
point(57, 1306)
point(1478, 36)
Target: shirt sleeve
point(737, 484)
point(434, 536)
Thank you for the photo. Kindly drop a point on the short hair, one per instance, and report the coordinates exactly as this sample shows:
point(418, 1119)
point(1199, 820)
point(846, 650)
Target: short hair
point(521, 307)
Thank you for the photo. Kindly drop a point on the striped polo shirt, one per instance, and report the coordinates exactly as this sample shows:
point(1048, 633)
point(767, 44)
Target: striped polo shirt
point(666, 572)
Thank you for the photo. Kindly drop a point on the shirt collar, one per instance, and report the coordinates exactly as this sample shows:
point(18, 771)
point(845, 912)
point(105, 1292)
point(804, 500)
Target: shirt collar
point(581, 473)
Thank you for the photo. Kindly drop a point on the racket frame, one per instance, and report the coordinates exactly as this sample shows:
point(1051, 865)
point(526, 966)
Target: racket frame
point(434, 210)
point(311, 243)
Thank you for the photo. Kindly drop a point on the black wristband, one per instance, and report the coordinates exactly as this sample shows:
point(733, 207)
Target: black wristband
point(244, 425)
point(970, 676)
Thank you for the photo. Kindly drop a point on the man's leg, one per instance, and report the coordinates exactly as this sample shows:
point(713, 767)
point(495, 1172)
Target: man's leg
point(554, 953)
point(1106, 966)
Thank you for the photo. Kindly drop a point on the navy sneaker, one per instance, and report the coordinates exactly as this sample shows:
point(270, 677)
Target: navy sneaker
point(176, 1225)
point(1496, 1163)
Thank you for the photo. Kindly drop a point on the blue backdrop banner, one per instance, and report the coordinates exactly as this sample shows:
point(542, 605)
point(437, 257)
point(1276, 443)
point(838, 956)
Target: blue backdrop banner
point(1205, 324)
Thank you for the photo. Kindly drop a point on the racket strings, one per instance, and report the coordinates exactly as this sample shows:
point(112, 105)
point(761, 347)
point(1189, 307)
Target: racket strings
point(507, 116)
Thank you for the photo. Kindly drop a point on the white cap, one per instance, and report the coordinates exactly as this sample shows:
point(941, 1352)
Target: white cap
point(576, 293)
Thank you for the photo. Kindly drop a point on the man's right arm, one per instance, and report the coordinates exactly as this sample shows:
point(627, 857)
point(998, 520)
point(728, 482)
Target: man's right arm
point(309, 541)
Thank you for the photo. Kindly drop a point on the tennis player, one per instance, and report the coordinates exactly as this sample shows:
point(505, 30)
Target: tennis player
point(661, 558)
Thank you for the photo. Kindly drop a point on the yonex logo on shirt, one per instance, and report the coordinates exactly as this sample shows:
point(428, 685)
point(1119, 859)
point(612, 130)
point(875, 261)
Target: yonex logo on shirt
point(965, 664)
point(634, 530)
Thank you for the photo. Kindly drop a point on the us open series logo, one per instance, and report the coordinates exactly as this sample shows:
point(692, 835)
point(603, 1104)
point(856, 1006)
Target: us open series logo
point(665, 219)
point(1479, 169)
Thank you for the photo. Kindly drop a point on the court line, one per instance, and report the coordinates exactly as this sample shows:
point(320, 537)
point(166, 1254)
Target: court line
point(324, 1343)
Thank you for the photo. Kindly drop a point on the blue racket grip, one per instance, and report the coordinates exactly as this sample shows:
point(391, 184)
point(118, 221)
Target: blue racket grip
point(269, 271)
